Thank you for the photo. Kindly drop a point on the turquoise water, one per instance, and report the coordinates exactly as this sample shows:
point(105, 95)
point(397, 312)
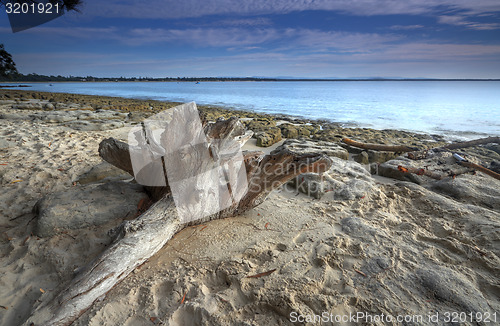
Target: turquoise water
point(457, 109)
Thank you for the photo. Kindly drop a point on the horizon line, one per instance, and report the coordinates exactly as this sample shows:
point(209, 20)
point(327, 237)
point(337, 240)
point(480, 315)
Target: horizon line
point(52, 78)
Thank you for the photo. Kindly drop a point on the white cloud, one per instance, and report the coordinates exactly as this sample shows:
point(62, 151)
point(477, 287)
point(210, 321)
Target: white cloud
point(232, 38)
point(249, 38)
point(295, 42)
point(289, 39)
point(460, 20)
point(205, 37)
point(343, 41)
point(440, 52)
point(196, 8)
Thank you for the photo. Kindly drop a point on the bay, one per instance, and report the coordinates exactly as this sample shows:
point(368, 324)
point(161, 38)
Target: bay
point(455, 109)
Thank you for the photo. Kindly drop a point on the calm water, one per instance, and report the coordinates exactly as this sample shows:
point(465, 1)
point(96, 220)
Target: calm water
point(454, 109)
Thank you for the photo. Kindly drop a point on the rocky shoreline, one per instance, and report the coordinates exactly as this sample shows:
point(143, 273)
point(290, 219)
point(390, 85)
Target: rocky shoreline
point(269, 129)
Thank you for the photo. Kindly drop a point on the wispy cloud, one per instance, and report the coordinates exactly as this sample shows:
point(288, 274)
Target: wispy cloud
point(252, 22)
point(228, 22)
point(460, 20)
point(204, 37)
point(343, 41)
point(73, 32)
point(192, 8)
point(405, 27)
point(248, 38)
point(412, 59)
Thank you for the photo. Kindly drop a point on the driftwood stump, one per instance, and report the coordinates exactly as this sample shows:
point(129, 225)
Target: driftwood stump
point(139, 239)
point(378, 147)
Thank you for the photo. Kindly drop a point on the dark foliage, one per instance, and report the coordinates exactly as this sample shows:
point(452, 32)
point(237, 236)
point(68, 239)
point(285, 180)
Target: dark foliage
point(8, 68)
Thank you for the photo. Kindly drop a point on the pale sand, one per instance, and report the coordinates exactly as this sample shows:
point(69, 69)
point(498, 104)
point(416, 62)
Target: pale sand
point(401, 249)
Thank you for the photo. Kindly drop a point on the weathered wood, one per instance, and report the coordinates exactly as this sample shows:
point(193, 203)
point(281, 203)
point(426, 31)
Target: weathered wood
point(378, 147)
point(480, 168)
point(417, 171)
point(116, 153)
point(470, 143)
point(418, 155)
point(141, 238)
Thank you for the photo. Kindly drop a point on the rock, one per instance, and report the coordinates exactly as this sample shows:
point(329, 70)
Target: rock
point(12, 116)
point(103, 171)
point(346, 180)
point(61, 106)
point(304, 131)
point(351, 149)
point(257, 125)
point(493, 147)
point(390, 169)
point(353, 189)
point(99, 115)
point(380, 156)
point(312, 128)
point(311, 184)
point(24, 106)
point(94, 125)
point(361, 158)
point(448, 286)
point(57, 117)
point(495, 166)
point(311, 146)
point(289, 130)
point(377, 265)
point(481, 190)
point(49, 106)
point(269, 137)
point(356, 227)
point(349, 180)
point(4, 143)
point(90, 205)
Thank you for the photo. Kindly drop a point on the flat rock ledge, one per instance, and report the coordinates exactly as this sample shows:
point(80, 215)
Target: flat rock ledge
point(346, 180)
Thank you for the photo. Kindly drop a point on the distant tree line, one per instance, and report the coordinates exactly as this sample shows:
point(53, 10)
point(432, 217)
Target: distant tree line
point(43, 78)
point(16, 77)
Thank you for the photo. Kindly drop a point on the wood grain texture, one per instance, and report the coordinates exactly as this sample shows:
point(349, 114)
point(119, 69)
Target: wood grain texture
point(378, 147)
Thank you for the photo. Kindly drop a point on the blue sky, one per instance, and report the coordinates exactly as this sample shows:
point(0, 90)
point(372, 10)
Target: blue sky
point(300, 38)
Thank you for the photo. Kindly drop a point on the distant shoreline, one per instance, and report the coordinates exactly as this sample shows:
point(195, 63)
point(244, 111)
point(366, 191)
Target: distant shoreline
point(215, 79)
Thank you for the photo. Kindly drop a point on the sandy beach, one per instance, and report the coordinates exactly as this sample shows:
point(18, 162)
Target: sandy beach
point(375, 245)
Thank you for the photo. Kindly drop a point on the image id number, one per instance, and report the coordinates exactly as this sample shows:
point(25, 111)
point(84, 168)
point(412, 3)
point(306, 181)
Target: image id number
point(31, 8)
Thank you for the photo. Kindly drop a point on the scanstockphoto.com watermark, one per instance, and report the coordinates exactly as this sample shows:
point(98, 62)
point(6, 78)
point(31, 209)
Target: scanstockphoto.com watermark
point(358, 317)
point(364, 317)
